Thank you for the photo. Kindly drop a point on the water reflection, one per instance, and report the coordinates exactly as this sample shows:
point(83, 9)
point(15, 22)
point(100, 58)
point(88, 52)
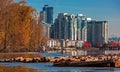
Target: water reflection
point(47, 67)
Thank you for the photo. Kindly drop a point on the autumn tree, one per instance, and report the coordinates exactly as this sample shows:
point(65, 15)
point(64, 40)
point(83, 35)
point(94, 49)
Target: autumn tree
point(4, 22)
point(36, 36)
point(20, 28)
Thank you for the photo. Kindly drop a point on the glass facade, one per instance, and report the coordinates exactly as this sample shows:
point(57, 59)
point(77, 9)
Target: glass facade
point(69, 26)
point(97, 32)
point(48, 14)
point(81, 27)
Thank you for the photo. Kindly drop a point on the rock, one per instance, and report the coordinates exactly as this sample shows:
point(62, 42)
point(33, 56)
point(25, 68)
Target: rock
point(52, 59)
point(37, 59)
point(45, 59)
point(27, 60)
point(19, 59)
point(7, 60)
point(117, 63)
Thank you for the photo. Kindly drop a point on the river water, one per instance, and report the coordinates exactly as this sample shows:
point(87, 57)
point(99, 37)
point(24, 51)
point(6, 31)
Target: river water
point(48, 67)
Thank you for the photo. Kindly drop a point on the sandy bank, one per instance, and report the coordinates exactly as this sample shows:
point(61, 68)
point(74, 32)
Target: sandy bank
point(15, 69)
point(19, 54)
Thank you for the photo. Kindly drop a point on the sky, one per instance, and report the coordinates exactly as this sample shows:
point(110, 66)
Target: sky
point(108, 10)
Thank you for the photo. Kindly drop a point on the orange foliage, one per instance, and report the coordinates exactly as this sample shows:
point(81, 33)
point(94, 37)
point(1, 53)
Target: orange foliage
point(19, 28)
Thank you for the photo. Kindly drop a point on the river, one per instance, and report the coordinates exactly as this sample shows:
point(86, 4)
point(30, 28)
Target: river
point(47, 67)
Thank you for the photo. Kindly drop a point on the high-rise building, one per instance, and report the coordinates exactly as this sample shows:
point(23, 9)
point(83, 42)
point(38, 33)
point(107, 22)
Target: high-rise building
point(46, 14)
point(81, 27)
point(69, 26)
point(97, 32)
point(65, 26)
point(46, 31)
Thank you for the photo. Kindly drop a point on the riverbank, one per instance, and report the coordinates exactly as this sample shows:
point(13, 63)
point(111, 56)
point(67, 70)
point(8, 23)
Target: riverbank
point(15, 69)
point(19, 54)
point(64, 61)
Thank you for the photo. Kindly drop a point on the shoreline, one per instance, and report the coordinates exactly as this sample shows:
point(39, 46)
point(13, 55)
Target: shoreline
point(16, 69)
point(19, 54)
point(64, 61)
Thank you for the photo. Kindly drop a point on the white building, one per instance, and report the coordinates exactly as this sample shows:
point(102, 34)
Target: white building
point(53, 43)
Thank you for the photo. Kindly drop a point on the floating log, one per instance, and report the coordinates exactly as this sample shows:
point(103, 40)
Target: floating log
point(107, 63)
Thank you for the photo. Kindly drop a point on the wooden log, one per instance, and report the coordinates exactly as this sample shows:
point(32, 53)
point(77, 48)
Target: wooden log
point(107, 63)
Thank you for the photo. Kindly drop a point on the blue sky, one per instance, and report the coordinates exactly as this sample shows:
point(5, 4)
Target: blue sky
point(96, 9)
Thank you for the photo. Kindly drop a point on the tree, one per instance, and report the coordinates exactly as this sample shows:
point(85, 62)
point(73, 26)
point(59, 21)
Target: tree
point(4, 22)
point(20, 27)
